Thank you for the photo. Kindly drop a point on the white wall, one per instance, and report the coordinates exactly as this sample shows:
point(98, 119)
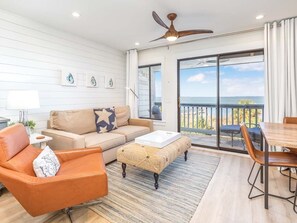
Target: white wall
point(168, 57)
point(31, 57)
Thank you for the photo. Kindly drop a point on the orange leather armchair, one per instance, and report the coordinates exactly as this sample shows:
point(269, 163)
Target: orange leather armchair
point(81, 177)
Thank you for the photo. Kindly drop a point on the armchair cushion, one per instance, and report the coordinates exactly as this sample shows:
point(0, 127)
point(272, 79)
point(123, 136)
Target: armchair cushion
point(46, 164)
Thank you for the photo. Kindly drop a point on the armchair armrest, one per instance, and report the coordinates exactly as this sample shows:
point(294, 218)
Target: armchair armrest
point(64, 140)
point(141, 122)
point(66, 155)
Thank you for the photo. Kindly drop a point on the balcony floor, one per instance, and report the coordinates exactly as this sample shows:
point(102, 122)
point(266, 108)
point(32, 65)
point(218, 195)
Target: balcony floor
point(226, 141)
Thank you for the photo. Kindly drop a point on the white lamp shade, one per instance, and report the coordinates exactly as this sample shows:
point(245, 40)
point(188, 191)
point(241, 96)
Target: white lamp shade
point(22, 100)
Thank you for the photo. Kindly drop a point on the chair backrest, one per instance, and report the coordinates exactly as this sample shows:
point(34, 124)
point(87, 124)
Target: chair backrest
point(13, 139)
point(290, 120)
point(248, 142)
point(16, 153)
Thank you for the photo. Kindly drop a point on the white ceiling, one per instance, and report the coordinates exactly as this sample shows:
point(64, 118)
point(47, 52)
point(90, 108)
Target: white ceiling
point(121, 23)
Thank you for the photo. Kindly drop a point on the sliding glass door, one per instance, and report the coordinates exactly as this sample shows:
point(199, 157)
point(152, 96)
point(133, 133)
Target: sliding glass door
point(198, 99)
point(241, 97)
point(216, 94)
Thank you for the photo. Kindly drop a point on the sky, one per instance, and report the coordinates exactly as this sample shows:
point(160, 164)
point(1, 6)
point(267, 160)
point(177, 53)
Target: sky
point(235, 80)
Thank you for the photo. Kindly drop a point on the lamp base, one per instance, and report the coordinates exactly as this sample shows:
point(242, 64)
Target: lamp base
point(23, 117)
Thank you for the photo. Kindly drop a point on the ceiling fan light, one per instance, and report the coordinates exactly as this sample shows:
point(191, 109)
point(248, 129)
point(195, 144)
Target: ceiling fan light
point(171, 38)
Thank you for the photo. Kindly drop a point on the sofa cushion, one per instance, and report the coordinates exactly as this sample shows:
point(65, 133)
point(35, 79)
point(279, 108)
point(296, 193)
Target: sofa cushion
point(105, 119)
point(132, 131)
point(75, 121)
point(105, 140)
point(123, 115)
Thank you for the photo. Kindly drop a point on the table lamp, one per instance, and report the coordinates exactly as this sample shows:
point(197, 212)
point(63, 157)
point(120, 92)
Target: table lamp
point(23, 101)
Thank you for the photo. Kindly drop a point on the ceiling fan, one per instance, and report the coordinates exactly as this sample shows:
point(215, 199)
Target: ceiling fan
point(172, 34)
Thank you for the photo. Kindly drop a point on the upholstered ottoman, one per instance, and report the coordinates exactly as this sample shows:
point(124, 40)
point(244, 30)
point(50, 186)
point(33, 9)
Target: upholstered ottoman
point(151, 158)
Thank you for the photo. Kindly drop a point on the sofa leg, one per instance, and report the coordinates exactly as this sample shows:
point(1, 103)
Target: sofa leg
point(186, 155)
point(156, 176)
point(124, 165)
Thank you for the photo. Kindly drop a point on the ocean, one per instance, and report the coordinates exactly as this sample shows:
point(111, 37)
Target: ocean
point(223, 100)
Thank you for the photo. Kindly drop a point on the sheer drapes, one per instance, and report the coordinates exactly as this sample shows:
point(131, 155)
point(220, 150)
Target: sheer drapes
point(132, 82)
point(280, 61)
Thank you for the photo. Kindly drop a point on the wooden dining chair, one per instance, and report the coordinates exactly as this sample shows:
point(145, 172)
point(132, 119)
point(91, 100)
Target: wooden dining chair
point(276, 159)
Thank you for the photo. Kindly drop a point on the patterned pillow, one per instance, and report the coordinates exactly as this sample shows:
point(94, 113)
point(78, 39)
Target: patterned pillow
point(46, 164)
point(105, 119)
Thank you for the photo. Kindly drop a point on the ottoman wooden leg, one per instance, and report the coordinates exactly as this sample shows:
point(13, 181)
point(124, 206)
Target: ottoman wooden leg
point(186, 155)
point(124, 169)
point(156, 176)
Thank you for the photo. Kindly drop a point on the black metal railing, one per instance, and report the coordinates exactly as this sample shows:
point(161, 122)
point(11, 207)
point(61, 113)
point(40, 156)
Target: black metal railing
point(201, 118)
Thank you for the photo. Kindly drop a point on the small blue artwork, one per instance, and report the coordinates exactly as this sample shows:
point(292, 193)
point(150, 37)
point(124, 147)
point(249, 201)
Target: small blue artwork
point(68, 78)
point(92, 80)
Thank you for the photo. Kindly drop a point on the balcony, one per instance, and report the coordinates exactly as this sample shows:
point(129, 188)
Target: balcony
point(199, 122)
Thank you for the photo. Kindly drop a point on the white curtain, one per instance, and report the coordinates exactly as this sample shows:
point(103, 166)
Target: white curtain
point(132, 82)
point(281, 65)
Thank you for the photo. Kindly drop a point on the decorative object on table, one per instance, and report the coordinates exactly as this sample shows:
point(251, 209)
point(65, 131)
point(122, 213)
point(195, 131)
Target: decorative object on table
point(183, 186)
point(109, 81)
point(39, 140)
point(23, 101)
point(92, 80)
point(30, 126)
point(68, 78)
point(105, 119)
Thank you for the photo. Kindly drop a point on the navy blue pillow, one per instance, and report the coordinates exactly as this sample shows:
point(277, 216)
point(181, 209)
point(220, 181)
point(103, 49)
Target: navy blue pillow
point(105, 119)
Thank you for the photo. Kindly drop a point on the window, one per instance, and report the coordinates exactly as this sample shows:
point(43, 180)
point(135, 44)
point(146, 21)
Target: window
point(150, 92)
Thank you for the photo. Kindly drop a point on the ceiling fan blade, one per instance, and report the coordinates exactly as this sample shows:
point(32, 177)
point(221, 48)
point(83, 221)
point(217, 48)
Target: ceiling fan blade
point(162, 37)
point(159, 20)
point(193, 32)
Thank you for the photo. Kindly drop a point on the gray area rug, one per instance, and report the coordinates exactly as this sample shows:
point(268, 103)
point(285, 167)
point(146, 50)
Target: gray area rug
point(181, 187)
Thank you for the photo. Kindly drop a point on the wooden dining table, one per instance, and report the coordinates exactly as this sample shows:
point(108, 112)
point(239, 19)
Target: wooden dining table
point(276, 134)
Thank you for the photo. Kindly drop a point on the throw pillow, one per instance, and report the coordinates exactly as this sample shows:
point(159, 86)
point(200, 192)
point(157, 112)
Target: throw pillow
point(105, 119)
point(122, 115)
point(46, 164)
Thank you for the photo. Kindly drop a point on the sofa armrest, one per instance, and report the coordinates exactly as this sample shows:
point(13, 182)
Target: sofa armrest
point(142, 122)
point(64, 140)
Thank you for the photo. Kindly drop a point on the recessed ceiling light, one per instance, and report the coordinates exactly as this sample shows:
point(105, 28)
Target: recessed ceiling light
point(136, 43)
point(75, 14)
point(260, 17)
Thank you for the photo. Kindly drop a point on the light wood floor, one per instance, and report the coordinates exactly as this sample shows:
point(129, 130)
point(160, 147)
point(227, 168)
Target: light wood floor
point(224, 201)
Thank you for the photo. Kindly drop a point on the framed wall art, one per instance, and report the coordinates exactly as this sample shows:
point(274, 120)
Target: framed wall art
point(109, 81)
point(92, 80)
point(68, 78)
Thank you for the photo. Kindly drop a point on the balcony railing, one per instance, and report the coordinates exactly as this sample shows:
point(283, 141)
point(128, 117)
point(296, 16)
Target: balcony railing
point(201, 118)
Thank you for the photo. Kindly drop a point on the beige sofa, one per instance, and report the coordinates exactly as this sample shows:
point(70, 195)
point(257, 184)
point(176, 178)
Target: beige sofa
point(77, 129)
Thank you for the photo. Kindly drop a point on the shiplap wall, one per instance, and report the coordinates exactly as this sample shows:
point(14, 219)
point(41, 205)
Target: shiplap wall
point(32, 56)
